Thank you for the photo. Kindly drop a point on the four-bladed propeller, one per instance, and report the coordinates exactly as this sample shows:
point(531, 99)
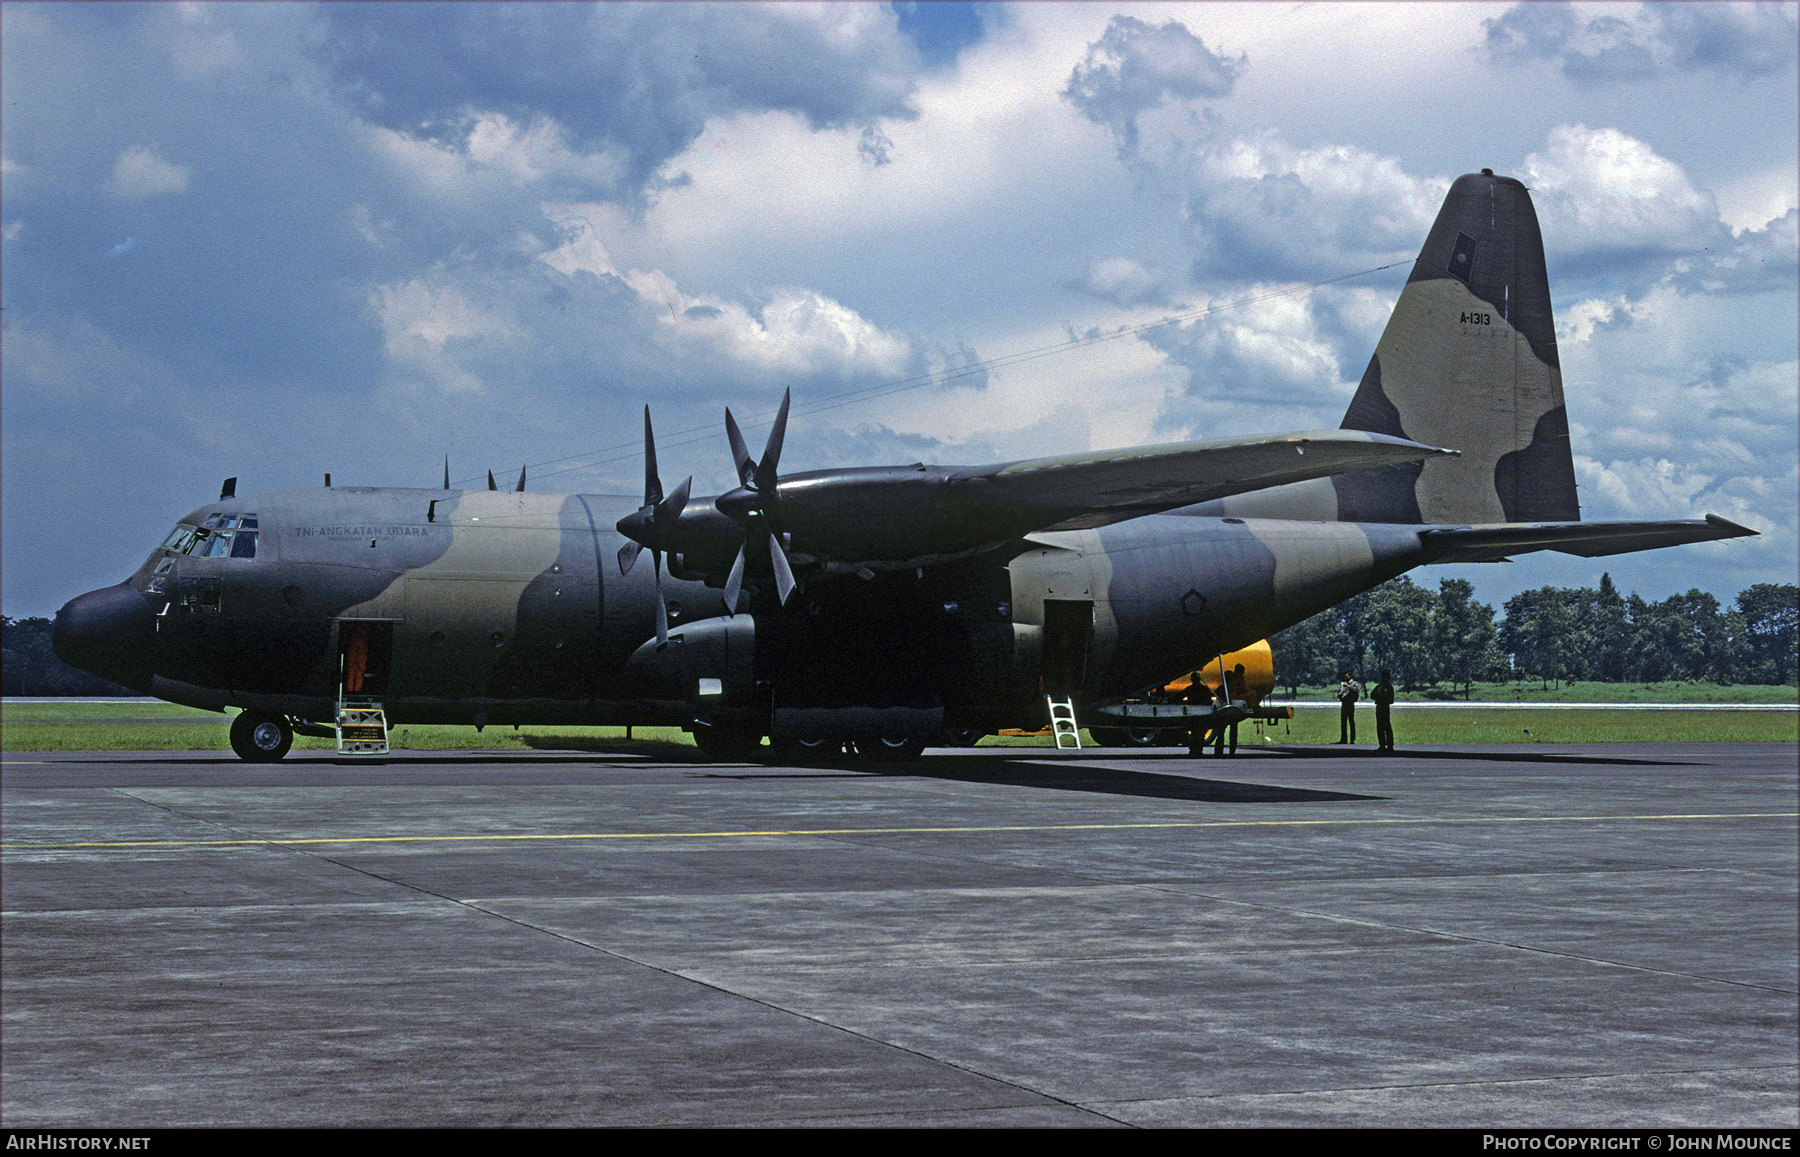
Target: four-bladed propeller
point(651, 525)
point(754, 505)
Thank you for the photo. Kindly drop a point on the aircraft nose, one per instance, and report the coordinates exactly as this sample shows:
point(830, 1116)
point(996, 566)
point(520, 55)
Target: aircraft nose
point(110, 633)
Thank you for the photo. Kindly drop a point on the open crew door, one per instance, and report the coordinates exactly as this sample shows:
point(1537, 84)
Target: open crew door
point(1068, 631)
point(365, 657)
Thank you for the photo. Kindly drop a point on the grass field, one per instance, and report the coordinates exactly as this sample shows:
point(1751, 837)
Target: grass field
point(154, 726)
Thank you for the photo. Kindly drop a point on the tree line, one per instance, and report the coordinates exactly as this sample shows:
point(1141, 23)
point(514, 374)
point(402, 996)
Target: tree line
point(32, 668)
point(1554, 635)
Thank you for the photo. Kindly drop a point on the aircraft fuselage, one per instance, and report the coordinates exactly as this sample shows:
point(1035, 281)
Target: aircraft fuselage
point(506, 607)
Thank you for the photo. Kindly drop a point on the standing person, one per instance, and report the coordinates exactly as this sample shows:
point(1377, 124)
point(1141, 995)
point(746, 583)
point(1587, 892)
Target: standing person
point(1197, 692)
point(1383, 695)
point(1349, 691)
point(1231, 687)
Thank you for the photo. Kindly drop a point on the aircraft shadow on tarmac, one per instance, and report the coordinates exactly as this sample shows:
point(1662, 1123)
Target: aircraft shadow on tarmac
point(1328, 751)
point(1017, 767)
point(1034, 772)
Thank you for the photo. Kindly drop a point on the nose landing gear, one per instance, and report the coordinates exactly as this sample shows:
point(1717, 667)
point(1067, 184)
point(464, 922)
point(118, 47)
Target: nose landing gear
point(259, 737)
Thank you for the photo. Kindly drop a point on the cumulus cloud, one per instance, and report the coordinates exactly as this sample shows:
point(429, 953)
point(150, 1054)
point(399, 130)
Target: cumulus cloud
point(1135, 67)
point(794, 330)
point(427, 325)
point(1645, 488)
point(1715, 433)
point(1576, 324)
point(637, 80)
point(1608, 189)
point(1742, 40)
point(1258, 207)
point(490, 148)
point(1615, 211)
point(140, 172)
point(1123, 282)
point(1286, 361)
point(196, 42)
point(1754, 261)
point(1613, 207)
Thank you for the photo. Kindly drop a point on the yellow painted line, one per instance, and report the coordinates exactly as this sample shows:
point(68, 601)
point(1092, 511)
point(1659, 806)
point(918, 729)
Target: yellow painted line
point(784, 832)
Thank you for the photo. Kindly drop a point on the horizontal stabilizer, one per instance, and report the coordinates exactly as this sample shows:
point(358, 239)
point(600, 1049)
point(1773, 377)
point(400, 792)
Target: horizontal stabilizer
point(1095, 489)
point(1587, 539)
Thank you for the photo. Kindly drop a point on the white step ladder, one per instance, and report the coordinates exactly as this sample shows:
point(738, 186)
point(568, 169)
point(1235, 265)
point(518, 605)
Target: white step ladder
point(1062, 722)
point(361, 728)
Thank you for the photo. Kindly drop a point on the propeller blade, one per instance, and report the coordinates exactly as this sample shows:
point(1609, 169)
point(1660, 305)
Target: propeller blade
point(765, 470)
point(652, 484)
point(740, 453)
point(784, 574)
point(669, 509)
point(520, 488)
point(734, 582)
point(662, 604)
point(628, 555)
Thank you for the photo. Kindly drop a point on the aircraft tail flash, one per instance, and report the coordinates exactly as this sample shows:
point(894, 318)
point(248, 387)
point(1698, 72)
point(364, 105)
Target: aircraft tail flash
point(1468, 360)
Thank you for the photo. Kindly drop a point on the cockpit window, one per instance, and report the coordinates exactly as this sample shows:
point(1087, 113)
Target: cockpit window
point(219, 536)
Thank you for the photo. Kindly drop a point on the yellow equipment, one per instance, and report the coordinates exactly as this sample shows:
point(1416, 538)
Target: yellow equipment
point(1259, 674)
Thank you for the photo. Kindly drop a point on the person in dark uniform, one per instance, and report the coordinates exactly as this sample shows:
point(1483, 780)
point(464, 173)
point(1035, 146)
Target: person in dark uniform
point(1197, 692)
point(1384, 726)
point(1349, 691)
point(1231, 687)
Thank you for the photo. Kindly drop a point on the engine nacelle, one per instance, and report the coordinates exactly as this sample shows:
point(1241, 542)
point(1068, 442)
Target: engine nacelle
point(711, 664)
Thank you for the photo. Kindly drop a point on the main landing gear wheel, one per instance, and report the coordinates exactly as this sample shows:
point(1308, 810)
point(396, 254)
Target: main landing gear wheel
point(259, 737)
point(885, 750)
point(806, 751)
point(962, 736)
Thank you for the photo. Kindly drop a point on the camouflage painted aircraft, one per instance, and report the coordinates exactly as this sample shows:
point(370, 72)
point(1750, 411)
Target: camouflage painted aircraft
point(882, 607)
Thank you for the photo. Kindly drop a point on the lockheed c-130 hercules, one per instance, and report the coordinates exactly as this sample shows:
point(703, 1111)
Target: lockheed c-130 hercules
point(878, 608)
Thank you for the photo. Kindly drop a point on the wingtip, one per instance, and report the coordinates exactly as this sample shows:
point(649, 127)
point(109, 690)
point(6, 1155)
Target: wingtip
point(1736, 530)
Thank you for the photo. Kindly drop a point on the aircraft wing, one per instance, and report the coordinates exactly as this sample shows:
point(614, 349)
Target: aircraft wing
point(1077, 491)
point(905, 516)
point(1587, 539)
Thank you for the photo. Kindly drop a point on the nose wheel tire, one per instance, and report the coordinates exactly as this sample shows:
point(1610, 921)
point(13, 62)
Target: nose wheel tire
point(727, 744)
point(258, 737)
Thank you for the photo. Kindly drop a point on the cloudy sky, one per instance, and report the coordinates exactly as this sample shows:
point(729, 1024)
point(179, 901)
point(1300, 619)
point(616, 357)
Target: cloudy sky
point(278, 240)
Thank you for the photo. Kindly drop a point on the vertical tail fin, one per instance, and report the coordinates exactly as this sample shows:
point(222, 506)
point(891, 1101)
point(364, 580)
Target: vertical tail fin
point(1468, 360)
